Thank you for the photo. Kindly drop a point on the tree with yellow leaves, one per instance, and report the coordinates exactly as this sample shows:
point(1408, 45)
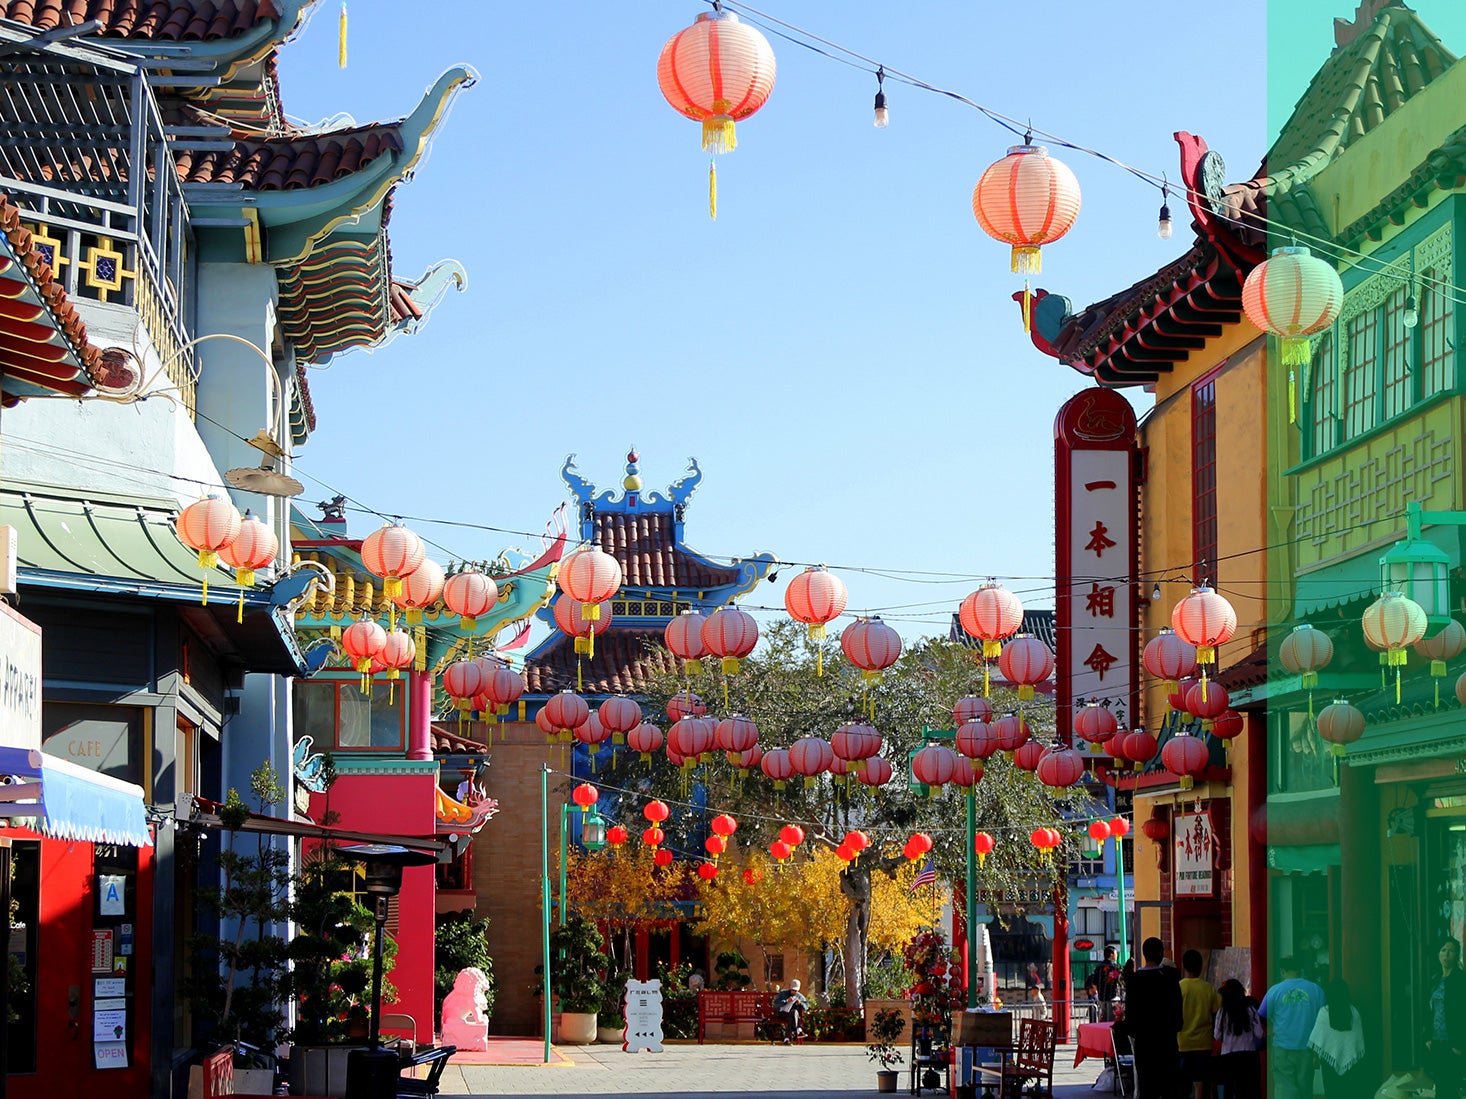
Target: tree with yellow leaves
point(619, 887)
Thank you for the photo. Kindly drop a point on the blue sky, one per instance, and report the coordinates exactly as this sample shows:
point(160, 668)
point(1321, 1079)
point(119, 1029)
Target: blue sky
point(838, 349)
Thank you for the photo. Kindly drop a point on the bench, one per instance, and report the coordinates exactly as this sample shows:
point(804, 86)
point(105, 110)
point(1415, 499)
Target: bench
point(750, 1012)
point(1027, 1067)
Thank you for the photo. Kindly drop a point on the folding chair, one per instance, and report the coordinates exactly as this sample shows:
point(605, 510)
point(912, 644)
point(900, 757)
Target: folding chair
point(1124, 1065)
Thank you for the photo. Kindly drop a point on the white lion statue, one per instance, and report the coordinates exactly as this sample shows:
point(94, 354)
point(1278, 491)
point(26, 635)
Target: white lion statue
point(465, 1024)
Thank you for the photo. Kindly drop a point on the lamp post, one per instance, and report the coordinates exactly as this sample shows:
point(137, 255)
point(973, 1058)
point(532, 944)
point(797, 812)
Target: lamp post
point(592, 838)
point(1119, 828)
point(971, 902)
point(372, 1073)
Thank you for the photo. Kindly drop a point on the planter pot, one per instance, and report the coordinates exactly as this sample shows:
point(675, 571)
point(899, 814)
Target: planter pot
point(886, 1080)
point(319, 1070)
point(578, 1028)
point(611, 1035)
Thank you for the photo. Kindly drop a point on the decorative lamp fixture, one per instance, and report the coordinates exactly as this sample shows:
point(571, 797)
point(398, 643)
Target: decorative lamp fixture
point(718, 72)
point(1027, 755)
point(1169, 657)
point(590, 577)
point(1291, 296)
point(935, 766)
point(735, 735)
point(1060, 767)
point(883, 113)
point(730, 634)
point(1305, 652)
point(777, 767)
point(470, 594)
point(422, 588)
point(391, 553)
point(254, 547)
point(876, 772)
point(1206, 620)
point(646, 739)
point(991, 614)
point(1096, 724)
point(1418, 568)
point(566, 711)
point(811, 756)
point(363, 642)
point(870, 645)
point(1185, 756)
point(1026, 200)
point(971, 708)
point(685, 704)
point(1164, 227)
point(1392, 623)
point(619, 715)
point(1443, 647)
point(683, 636)
point(977, 741)
point(1026, 662)
point(983, 844)
point(592, 831)
point(206, 526)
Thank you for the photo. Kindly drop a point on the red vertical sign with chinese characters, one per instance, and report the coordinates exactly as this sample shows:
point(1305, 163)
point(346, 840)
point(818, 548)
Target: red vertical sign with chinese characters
point(1095, 479)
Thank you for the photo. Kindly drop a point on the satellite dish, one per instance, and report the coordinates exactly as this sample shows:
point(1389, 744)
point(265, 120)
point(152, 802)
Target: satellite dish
point(264, 480)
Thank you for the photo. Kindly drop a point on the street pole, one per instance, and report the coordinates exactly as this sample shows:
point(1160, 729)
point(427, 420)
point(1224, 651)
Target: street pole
point(564, 814)
point(1120, 878)
point(545, 894)
point(971, 902)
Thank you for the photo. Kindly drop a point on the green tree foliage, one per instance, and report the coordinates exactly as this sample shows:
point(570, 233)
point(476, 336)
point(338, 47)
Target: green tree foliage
point(460, 942)
point(578, 970)
point(781, 690)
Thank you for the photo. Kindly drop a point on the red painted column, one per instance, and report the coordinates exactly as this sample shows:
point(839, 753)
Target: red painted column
point(959, 929)
point(419, 715)
point(1059, 993)
point(1257, 911)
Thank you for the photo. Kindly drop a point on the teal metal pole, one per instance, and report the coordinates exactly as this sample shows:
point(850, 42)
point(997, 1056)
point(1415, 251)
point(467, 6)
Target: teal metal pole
point(1120, 878)
point(545, 895)
point(971, 900)
point(564, 813)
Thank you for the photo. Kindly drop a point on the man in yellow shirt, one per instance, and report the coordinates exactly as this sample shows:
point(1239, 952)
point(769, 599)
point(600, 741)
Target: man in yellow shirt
point(1199, 1004)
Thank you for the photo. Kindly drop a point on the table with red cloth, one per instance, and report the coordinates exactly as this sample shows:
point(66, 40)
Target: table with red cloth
point(1095, 1040)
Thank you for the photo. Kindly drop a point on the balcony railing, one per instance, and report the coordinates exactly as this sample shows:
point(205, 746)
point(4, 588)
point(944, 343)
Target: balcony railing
point(84, 153)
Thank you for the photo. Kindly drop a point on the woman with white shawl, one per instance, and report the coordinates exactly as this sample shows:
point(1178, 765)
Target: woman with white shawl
point(1338, 1040)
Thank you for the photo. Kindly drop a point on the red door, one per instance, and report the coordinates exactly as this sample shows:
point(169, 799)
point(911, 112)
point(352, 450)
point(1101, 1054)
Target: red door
point(90, 974)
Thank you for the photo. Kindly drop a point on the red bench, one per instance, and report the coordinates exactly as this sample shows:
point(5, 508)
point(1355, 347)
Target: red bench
point(739, 1007)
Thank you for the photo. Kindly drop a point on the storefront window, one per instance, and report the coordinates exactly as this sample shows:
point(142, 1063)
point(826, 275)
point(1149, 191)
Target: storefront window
point(336, 712)
point(1445, 881)
point(25, 922)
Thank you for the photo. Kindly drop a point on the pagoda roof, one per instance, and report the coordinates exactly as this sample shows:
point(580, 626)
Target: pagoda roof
point(1385, 57)
point(625, 660)
point(179, 21)
point(291, 161)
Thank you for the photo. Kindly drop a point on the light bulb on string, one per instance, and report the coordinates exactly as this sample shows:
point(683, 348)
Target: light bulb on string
point(1412, 312)
point(883, 115)
point(1155, 593)
point(1163, 226)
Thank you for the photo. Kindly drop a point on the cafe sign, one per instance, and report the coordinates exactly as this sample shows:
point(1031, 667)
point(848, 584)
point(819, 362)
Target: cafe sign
point(1194, 855)
point(20, 681)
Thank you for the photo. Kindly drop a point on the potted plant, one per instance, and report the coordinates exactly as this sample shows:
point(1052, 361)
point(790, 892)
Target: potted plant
point(882, 1032)
point(575, 978)
point(611, 1016)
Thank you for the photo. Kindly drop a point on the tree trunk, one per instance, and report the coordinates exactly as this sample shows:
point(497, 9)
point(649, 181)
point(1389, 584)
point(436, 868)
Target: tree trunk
point(855, 884)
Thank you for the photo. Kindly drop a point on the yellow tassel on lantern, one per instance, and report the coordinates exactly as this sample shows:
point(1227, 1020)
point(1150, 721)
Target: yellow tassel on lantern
point(468, 623)
point(391, 587)
point(341, 39)
point(1027, 308)
point(590, 612)
point(1027, 259)
point(713, 190)
point(1292, 397)
point(420, 642)
point(1295, 350)
point(731, 665)
point(414, 616)
point(719, 133)
point(1025, 692)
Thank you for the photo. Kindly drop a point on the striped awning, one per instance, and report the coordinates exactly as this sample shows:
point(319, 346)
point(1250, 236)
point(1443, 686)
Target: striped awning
point(65, 801)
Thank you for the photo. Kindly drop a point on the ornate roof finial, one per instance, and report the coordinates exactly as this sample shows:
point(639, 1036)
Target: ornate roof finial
point(1368, 10)
point(633, 474)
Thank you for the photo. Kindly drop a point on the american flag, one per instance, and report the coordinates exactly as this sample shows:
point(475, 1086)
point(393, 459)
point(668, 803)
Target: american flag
point(928, 876)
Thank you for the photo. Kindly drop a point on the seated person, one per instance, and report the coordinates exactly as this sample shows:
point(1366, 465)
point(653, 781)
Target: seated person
point(790, 1005)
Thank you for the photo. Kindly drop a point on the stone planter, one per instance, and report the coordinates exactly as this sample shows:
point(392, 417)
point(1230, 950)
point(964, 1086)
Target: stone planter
point(577, 1028)
point(610, 1035)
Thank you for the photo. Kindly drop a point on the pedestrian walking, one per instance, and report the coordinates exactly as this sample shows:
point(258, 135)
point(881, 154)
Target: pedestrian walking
point(1152, 1020)
point(1289, 1009)
point(1445, 1049)
point(1199, 1004)
point(1237, 1032)
point(1338, 1040)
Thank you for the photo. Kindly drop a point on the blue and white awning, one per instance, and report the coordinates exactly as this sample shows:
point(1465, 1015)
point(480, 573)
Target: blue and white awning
point(65, 801)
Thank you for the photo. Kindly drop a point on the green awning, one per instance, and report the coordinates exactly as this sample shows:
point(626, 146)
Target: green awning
point(125, 546)
point(1310, 858)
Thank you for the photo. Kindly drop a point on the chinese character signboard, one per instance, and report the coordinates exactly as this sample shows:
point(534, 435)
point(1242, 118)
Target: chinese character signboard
point(20, 681)
point(1095, 461)
point(1194, 851)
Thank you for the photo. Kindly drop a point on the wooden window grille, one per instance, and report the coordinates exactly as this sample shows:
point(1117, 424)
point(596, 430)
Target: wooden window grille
point(1361, 374)
point(1324, 407)
point(1204, 476)
point(1395, 359)
point(1437, 318)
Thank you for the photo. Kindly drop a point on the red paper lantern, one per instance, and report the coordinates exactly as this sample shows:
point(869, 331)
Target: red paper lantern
point(1060, 767)
point(255, 547)
point(545, 725)
point(735, 735)
point(1026, 200)
point(504, 688)
point(991, 614)
point(1393, 623)
point(1306, 652)
point(619, 715)
point(1292, 295)
point(977, 741)
point(723, 825)
point(855, 741)
point(920, 842)
point(684, 640)
point(1341, 724)
point(422, 588)
point(966, 778)
point(590, 577)
point(398, 652)
point(780, 850)
point(470, 594)
point(1140, 748)
point(792, 834)
point(776, 765)
point(870, 645)
point(652, 836)
point(1096, 724)
point(810, 756)
point(1027, 755)
point(616, 835)
point(1099, 831)
point(1445, 645)
point(663, 857)
point(876, 772)
point(730, 634)
point(685, 704)
point(934, 766)
point(744, 761)
point(718, 72)
point(585, 795)
point(363, 643)
point(1186, 757)
point(656, 811)
point(1227, 725)
point(392, 553)
point(1206, 620)
point(715, 845)
point(692, 737)
point(1169, 657)
point(983, 843)
point(816, 597)
point(1156, 829)
point(706, 871)
point(1011, 732)
point(845, 852)
point(1119, 827)
point(1026, 662)
point(207, 526)
point(566, 711)
point(1207, 702)
point(751, 876)
point(971, 708)
point(856, 840)
point(592, 734)
point(645, 739)
point(571, 620)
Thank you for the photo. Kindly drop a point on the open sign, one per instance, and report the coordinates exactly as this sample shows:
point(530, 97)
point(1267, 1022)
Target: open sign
point(1083, 944)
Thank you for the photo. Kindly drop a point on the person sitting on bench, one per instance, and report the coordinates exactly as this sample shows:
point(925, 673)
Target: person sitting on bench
point(790, 1005)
